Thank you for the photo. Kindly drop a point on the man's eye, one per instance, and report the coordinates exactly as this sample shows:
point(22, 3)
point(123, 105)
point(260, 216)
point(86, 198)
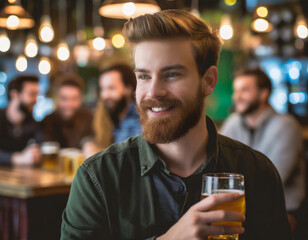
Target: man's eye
point(172, 75)
point(143, 77)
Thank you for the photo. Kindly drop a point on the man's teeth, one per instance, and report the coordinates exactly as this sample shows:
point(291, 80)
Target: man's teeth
point(159, 109)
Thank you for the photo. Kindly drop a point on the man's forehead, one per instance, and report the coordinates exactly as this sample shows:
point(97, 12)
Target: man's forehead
point(163, 53)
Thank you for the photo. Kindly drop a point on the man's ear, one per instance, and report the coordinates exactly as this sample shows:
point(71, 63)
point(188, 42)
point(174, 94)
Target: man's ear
point(13, 94)
point(209, 80)
point(264, 95)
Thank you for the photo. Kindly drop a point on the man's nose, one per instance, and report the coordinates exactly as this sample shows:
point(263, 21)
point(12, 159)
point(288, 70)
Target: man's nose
point(157, 88)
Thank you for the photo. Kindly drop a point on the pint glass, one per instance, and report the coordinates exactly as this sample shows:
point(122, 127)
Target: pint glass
point(216, 183)
point(50, 151)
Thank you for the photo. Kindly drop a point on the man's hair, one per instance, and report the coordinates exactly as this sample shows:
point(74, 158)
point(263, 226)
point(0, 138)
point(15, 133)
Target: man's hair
point(262, 80)
point(18, 83)
point(72, 80)
point(127, 74)
point(177, 23)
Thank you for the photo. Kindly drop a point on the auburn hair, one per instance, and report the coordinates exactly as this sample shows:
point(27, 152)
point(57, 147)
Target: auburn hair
point(177, 23)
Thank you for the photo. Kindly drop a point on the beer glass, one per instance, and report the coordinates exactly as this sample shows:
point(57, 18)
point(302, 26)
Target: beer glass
point(216, 183)
point(50, 151)
point(70, 160)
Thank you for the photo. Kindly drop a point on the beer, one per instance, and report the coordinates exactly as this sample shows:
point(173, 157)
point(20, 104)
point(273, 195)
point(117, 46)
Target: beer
point(217, 183)
point(236, 205)
point(50, 152)
point(70, 159)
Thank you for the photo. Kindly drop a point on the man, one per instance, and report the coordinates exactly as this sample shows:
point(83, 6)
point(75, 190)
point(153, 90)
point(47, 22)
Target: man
point(278, 136)
point(149, 187)
point(117, 87)
point(19, 133)
point(69, 124)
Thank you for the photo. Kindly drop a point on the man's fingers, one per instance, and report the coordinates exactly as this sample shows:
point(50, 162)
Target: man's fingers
point(220, 216)
point(222, 230)
point(216, 199)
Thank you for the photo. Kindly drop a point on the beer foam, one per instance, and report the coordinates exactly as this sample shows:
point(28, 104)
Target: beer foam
point(218, 191)
point(49, 149)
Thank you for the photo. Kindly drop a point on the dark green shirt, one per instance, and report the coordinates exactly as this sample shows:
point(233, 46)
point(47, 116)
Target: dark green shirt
point(113, 195)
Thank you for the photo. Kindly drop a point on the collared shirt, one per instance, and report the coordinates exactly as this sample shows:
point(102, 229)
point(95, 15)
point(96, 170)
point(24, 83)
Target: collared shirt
point(16, 138)
point(128, 127)
point(113, 195)
point(278, 136)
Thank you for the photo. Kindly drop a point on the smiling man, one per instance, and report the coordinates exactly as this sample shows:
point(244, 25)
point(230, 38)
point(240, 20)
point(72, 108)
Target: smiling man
point(149, 187)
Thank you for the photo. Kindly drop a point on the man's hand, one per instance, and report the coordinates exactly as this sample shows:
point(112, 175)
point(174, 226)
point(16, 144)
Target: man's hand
point(196, 223)
point(30, 156)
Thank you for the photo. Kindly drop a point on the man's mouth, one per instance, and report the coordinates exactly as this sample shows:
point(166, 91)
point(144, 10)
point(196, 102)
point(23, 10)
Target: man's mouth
point(160, 109)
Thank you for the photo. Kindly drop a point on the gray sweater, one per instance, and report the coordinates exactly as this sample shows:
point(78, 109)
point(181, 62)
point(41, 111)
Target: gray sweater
point(278, 136)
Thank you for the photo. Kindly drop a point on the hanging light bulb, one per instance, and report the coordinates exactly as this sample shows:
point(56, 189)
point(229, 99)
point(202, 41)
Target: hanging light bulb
point(261, 25)
point(44, 66)
point(301, 29)
point(21, 63)
point(14, 16)
point(46, 31)
point(12, 22)
point(262, 11)
point(226, 30)
point(63, 52)
point(31, 47)
point(123, 9)
point(99, 43)
point(118, 40)
point(5, 42)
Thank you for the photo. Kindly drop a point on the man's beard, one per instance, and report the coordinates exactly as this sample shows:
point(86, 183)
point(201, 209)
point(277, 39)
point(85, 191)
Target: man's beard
point(25, 109)
point(251, 108)
point(169, 129)
point(116, 109)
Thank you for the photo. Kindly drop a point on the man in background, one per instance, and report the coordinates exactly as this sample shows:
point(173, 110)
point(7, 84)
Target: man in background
point(278, 136)
point(70, 123)
point(116, 118)
point(19, 132)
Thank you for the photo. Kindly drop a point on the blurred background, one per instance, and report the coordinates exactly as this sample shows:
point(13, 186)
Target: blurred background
point(70, 35)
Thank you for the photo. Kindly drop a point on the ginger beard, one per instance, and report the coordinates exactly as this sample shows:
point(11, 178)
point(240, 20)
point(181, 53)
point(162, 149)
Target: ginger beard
point(168, 129)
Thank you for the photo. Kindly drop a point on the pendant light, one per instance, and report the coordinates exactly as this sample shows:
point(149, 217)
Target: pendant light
point(14, 16)
point(127, 9)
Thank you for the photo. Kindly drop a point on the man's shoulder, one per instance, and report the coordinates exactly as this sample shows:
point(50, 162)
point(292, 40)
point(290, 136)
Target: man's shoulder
point(117, 153)
point(243, 154)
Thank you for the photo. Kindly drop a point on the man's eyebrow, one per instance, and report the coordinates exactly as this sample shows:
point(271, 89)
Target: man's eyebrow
point(164, 69)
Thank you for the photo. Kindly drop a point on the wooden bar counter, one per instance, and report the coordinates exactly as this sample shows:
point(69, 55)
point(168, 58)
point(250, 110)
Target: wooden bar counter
point(31, 203)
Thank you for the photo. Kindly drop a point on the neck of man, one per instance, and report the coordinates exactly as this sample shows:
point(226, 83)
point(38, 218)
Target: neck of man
point(185, 155)
point(253, 119)
point(13, 114)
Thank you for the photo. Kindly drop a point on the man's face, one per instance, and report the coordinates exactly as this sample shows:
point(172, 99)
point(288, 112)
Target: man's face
point(69, 100)
point(246, 95)
point(169, 90)
point(28, 95)
point(112, 90)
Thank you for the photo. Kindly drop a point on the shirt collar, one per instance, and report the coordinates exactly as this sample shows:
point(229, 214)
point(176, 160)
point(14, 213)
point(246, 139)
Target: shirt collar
point(149, 158)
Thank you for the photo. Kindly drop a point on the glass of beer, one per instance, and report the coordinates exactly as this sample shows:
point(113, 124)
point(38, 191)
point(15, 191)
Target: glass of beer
point(70, 160)
point(50, 152)
point(216, 183)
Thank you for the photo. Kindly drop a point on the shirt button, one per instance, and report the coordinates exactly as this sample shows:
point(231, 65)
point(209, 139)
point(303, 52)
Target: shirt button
point(181, 188)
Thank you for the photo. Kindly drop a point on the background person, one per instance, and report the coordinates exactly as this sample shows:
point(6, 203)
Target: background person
point(278, 136)
point(70, 123)
point(116, 118)
point(19, 132)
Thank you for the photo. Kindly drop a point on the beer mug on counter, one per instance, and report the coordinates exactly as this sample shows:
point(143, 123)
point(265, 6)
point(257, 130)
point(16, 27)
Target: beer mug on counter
point(216, 183)
point(70, 160)
point(50, 154)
